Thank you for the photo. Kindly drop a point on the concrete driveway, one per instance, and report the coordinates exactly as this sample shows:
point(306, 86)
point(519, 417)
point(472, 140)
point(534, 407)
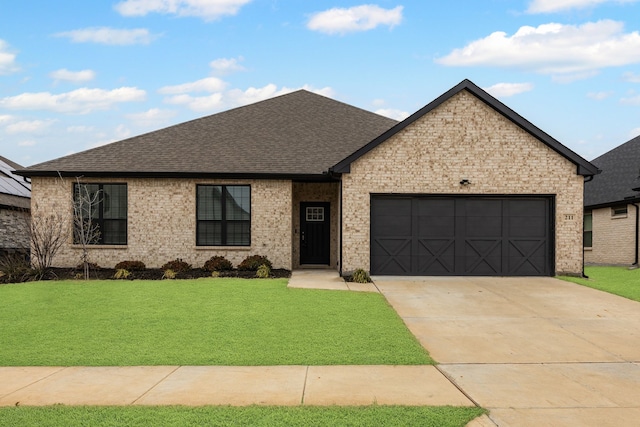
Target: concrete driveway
point(534, 351)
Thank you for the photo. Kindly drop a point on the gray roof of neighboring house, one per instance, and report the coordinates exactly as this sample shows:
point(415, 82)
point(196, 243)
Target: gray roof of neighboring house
point(297, 134)
point(14, 190)
point(620, 175)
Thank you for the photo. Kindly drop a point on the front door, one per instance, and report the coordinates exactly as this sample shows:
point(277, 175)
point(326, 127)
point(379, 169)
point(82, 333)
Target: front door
point(314, 233)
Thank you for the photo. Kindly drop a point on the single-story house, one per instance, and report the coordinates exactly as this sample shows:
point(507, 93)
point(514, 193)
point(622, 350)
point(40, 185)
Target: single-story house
point(612, 205)
point(15, 204)
point(464, 186)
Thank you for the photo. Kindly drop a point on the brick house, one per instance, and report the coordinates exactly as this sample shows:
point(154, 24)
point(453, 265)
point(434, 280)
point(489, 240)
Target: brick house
point(465, 186)
point(612, 205)
point(15, 204)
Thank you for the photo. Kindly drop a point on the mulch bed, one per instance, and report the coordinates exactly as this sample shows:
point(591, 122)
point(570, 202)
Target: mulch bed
point(152, 274)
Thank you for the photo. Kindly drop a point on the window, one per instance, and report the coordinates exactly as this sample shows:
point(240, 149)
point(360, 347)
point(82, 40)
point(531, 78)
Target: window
point(619, 210)
point(315, 214)
point(223, 215)
point(587, 239)
point(107, 210)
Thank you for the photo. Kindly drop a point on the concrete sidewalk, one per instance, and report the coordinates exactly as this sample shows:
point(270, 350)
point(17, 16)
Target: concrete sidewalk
point(228, 385)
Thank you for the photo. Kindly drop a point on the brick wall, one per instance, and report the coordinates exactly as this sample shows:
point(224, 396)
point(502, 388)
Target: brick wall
point(613, 238)
point(162, 221)
point(463, 138)
point(14, 229)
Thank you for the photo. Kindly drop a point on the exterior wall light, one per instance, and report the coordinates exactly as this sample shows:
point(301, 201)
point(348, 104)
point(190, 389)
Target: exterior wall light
point(465, 181)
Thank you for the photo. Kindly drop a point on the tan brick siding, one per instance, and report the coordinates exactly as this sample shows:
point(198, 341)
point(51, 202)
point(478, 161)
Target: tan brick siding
point(317, 192)
point(162, 221)
point(613, 238)
point(463, 138)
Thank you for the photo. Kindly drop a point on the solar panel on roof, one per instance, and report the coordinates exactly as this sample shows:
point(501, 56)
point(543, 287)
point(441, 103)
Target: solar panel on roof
point(12, 184)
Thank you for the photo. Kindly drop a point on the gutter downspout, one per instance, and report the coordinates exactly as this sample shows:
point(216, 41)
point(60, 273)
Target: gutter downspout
point(587, 179)
point(635, 263)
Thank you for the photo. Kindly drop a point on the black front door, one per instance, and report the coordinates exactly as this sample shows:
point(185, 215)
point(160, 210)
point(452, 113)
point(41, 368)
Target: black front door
point(314, 233)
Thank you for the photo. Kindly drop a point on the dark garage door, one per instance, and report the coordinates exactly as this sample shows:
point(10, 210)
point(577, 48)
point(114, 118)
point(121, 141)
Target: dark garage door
point(461, 236)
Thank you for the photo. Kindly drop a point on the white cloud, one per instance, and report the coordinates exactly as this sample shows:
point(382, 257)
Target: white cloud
point(631, 77)
point(151, 117)
point(7, 59)
point(109, 36)
point(599, 96)
point(357, 18)
point(197, 103)
point(631, 100)
point(209, 84)
point(553, 48)
point(504, 90)
point(634, 132)
point(6, 118)
point(223, 66)
point(72, 76)
point(393, 114)
point(206, 9)
point(29, 126)
point(378, 102)
point(80, 129)
point(78, 101)
point(550, 6)
point(27, 143)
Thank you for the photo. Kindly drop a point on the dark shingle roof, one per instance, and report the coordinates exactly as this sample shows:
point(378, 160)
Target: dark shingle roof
point(620, 175)
point(583, 167)
point(300, 133)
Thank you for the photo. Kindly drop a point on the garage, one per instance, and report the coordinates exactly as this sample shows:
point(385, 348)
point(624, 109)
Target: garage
point(461, 235)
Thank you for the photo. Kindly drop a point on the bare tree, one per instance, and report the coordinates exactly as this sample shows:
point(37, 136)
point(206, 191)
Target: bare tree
point(47, 234)
point(85, 230)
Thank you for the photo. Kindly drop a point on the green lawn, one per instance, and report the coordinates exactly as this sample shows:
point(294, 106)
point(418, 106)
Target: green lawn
point(198, 322)
point(616, 280)
point(179, 416)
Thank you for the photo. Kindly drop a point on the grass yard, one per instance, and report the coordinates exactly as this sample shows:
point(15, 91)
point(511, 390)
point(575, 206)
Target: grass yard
point(616, 280)
point(179, 416)
point(198, 322)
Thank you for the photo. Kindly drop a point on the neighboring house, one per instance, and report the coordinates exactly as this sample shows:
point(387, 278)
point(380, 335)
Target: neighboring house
point(465, 186)
point(15, 204)
point(611, 203)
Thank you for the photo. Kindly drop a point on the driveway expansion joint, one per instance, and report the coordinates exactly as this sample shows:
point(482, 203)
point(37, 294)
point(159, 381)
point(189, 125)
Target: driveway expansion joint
point(155, 385)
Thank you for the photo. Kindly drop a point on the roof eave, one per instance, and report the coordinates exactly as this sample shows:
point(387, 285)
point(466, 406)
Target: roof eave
point(180, 175)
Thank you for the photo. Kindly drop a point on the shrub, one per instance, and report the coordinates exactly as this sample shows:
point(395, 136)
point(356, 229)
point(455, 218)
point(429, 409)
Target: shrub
point(122, 273)
point(130, 266)
point(169, 274)
point(253, 262)
point(360, 276)
point(176, 266)
point(91, 265)
point(263, 272)
point(15, 268)
point(218, 263)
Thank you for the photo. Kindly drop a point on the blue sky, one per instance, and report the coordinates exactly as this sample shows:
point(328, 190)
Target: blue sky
point(79, 74)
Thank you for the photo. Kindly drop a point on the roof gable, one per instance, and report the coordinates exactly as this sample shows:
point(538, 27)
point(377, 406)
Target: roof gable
point(297, 134)
point(620, 177)
point(583, 166)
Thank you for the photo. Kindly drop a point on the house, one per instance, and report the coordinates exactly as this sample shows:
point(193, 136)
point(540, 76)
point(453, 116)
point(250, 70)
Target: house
point(15, 204)
point(465, 186)
point(611, 203)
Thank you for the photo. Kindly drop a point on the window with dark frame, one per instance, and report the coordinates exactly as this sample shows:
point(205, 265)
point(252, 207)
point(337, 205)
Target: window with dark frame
point(223, 215)
point(109, 212)
point(619, 210)
point(587, 239)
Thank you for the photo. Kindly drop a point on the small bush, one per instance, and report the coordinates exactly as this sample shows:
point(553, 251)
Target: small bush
point(177, 266)
point(218, 263)
point(130, 266)
point(15, 268)
point(253, 262)
point(122, 273)
point(92, 266)
point(360, 276)
point(263, 272)
point(169, 274)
